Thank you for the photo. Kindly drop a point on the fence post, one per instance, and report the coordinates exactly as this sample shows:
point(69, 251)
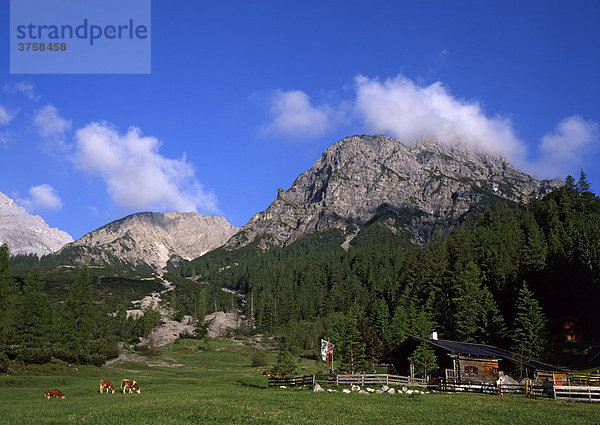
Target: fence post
point(590, 393)
point(554, 391)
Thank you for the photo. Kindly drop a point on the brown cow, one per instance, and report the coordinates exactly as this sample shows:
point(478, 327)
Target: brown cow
point(267, 373)
point(53, 393)
point(131, 385)
point(106, 384)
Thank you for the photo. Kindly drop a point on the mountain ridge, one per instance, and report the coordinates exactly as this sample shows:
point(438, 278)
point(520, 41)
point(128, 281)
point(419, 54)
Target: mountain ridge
point(427, 182)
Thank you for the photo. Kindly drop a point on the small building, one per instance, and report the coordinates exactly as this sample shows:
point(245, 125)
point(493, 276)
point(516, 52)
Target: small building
point(466, 361)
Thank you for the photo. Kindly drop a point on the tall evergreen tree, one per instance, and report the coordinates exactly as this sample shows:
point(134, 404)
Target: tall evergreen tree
point(78, 313)
point(352, 346)
point(423, 359)
point(35, 320)
point(584, 187)
point(7, 297)
point(529, 333)
point(468, 304)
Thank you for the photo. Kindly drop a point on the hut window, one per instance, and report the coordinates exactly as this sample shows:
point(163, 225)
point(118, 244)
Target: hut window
point(471, 370)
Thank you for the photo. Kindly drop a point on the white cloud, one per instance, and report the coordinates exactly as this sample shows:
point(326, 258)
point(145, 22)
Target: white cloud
point(572, 142)
point(49, 123)
point(24, 87)
point(293, 115)
point(43, 196)
point(5, 116)
point(403, 109)
point(136, 175)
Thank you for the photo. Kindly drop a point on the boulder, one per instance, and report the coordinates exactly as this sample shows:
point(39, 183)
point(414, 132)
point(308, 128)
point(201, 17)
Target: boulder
point(316, 387)
point(392, 391)
point(385, 388)
point(378, 392)
point(355, 388)
point(346, 391)
point(404, 389)
point(371, 390)
point(363, 392)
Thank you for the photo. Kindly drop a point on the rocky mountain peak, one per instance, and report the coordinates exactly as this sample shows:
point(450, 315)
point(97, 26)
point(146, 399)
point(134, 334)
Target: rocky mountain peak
point(424, 183)
point(28, 234)
point(150, 239)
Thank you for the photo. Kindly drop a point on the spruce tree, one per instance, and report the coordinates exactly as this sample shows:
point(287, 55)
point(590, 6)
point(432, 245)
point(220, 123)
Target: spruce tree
point(35, 319)
point(529, 333)
point(468, 304)
point(78, 313)
point(584, 187)
point(7, 298)
point(423, 359)
point(352, 346)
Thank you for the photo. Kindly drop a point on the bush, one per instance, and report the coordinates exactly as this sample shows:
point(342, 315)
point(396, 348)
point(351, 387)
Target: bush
point(3, 362)
point(34, 355)
point(259, 359)
point(286, 364)
point(97, 359)
point(186, 335)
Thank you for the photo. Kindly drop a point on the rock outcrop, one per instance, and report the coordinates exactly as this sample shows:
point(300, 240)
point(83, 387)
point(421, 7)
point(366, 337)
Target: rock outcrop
point(28, 234)
point(362, 178)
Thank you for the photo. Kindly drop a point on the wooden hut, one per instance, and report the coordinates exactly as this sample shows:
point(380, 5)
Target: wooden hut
point(466, 361)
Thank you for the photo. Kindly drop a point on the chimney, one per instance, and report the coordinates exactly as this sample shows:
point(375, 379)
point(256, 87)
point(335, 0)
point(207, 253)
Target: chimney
point(433, 335)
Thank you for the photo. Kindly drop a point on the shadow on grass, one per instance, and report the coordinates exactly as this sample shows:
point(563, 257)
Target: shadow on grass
point(250, 383)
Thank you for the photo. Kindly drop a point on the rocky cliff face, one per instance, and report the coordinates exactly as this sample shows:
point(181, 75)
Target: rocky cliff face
point(364, 177)
point(27, 234)
point(150, 240)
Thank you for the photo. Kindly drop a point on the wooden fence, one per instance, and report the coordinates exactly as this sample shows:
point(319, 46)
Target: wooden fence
point(492, 388)
point(376, 379)
point(577, 393)
point(583, 379)
point(290, 381)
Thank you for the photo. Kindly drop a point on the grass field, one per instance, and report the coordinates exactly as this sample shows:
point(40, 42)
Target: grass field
point(216, 385)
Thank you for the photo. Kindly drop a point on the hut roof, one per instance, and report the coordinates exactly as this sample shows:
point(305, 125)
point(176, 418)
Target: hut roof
point(469, 349)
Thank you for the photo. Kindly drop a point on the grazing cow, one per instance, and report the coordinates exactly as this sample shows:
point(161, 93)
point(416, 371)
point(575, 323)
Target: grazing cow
point(106, 384)
point(53, 393)
point(131, 385)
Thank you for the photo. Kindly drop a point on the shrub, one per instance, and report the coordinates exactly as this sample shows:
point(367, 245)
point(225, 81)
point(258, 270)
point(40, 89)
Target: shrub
point(34, 355)
point(259, 359)
point(3, 362)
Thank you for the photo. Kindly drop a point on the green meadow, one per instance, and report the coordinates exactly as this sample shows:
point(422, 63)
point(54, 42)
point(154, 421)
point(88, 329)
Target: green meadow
point(212, 382)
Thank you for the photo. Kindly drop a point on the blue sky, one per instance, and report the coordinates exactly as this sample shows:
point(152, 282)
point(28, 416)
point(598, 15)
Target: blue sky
point(245, 96)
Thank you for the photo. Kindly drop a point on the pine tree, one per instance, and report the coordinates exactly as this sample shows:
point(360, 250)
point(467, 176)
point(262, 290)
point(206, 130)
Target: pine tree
point(352, 346)
point(399, 328)
point(529, 333)
point(78, 313)
point(534, 246)
point(583, 186)
point(35, 320)
point(423, 359)
point(468, 304)
point(7, 298)
point(570, 183)
point(493, 327)
point(478, 318)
